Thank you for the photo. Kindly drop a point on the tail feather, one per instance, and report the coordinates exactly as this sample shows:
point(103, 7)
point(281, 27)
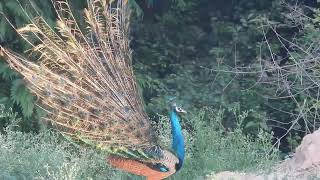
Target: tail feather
point(84, 78)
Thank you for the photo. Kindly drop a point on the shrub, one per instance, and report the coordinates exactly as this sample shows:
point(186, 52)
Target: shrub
point(47, 156)
point(42, 156)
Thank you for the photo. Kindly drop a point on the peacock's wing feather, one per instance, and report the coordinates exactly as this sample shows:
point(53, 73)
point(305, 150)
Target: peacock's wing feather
point(144, 154)
point(83, 77)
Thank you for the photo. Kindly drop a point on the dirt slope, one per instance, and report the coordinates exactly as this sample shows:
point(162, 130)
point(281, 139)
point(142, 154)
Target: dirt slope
point(305, 164)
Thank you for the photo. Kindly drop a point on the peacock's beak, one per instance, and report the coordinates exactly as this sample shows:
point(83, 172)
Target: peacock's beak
point(183, 111)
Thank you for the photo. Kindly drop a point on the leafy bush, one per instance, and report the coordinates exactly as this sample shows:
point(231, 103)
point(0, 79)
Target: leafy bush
point(47, 156)
point(42, 156)
point(187, 52)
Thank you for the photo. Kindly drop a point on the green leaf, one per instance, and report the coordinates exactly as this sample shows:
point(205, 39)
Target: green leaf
point(6, 72)
point(22, 96)
point(251, 124)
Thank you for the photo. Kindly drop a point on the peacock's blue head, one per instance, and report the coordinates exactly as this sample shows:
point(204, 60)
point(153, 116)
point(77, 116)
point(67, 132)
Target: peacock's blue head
point(178, 109)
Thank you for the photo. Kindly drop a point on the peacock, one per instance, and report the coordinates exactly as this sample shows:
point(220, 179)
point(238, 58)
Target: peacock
point(83, 79)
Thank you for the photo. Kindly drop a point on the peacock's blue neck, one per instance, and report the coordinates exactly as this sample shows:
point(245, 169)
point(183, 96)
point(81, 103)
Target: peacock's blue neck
point(177, 137)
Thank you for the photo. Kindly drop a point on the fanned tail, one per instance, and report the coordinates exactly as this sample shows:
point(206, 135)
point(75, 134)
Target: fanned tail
point(84, 78)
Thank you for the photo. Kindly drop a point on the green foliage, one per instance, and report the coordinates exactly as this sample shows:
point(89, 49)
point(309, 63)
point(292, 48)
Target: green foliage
point(8, 117)
point(13, 92)
point(42, 156)
point(5, 71)
point(21, 95)
point(185, 52)
point(47, 156)
point(13, 12)
point(215, 149)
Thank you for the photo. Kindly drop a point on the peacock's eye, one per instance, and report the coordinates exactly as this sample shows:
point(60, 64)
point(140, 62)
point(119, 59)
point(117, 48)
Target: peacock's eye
point(180, 110)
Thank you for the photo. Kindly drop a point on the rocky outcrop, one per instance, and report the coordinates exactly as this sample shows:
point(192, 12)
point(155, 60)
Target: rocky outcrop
point(305, 164)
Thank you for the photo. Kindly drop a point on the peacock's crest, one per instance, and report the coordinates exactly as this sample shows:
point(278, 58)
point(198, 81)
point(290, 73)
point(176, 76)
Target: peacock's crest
point(83, 79)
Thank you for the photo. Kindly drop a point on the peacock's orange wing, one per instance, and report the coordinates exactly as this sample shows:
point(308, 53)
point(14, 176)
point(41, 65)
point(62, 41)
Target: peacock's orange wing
point(137, 167)
point(151, 168)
